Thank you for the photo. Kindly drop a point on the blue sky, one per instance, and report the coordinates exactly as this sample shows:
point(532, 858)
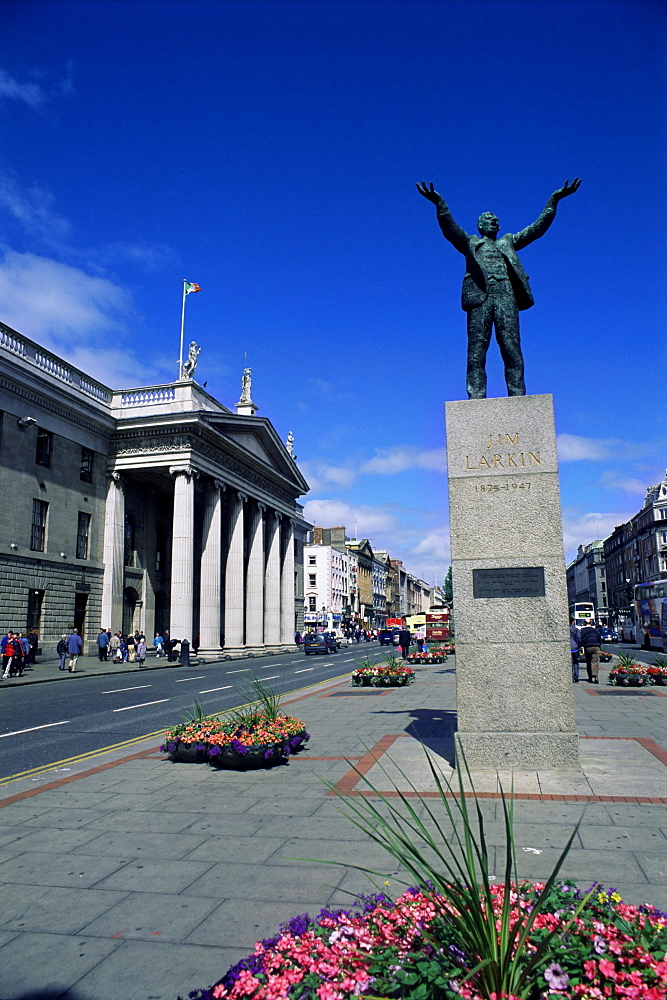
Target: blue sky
point(269, 151)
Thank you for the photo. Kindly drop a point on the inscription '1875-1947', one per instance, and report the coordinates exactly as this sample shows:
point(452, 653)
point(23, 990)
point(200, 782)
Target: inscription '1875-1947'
point(503, 459)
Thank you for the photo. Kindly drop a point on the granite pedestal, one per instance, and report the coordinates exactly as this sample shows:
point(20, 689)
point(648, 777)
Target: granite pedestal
point(514, 682)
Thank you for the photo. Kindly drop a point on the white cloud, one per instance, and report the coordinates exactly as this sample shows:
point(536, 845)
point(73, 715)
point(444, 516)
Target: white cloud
point(30, 93)
point(574, 448)
point(68, 311)
point(367, 521)
point(581, 529)
point(33, 209)
point(389, 461)
point(625, 484)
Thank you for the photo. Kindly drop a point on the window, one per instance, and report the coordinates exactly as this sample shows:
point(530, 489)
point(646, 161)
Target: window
point(312, 560)
point(44, 447)
point(312, 604)
point(38, 527)
point(82, 531)
point(86, 472)
point(312, 579)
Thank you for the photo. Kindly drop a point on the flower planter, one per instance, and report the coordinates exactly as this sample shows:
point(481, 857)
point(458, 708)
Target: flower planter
point(228, 744)
point(613, 949)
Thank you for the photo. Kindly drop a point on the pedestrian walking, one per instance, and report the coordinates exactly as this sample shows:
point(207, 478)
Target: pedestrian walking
point(591, 641)
point(131, 644)
point(114, 648)
point(61, 650)
point(141, 650)
point(103, 645)
point(74, 649)
point(25, 653)
point(404, 642)
point(33, 643)
point(12, 655)
point(158, 642)
point(575, 643)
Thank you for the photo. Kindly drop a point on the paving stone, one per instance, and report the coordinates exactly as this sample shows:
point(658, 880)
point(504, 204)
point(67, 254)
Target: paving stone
point(653, 864)
point(134, 822)
point(155, 875)
point(241, 922)
point(56, 841)
point(152, 970)
point(254, 849)
point(272, 882)
point(622, 838)
point(144, 845)
point(73, 870)
point(53, 910)
point(146, 916)
point(35, 965)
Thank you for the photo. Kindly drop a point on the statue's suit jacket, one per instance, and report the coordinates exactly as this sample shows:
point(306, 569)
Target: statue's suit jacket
point(474, 291)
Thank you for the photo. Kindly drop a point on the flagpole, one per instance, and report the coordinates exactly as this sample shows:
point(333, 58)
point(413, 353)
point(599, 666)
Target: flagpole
point(180, 356)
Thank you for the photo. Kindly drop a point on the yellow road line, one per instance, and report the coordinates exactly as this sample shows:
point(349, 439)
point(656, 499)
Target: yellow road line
point(45, 768)
point(78, 759)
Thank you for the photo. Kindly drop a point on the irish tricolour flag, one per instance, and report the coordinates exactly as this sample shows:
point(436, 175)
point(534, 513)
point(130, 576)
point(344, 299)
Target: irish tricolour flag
point(190, 286)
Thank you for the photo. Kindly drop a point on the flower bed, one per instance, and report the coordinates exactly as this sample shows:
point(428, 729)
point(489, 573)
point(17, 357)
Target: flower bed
point(436, 656)
point(599, 948)
point(389, 675)
point(629, 675)
point(228, 742)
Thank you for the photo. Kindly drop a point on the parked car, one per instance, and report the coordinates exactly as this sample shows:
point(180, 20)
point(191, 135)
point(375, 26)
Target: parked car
point(319, 642)
point(608, 634)
point(388, 636)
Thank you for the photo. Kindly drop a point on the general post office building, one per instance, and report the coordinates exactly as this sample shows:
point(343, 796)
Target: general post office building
point(153, 508)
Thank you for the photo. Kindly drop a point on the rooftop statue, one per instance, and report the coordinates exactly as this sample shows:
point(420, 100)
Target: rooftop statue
point(191, 363)
point(495, 286)
point(246, 386)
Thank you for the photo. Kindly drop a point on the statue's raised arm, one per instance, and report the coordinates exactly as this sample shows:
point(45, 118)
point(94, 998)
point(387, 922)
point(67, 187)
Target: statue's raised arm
point(541, 224)
point(450, 228)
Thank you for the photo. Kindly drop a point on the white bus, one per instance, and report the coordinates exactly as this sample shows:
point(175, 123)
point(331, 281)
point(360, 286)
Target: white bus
point(651, 615)
point(582, 612)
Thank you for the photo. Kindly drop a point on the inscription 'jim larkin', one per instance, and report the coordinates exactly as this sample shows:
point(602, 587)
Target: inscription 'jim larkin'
point(503, 459)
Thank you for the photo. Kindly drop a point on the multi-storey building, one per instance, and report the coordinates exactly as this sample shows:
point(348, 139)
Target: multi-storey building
point(327, 580)
point(155, 508)
point(586, 577)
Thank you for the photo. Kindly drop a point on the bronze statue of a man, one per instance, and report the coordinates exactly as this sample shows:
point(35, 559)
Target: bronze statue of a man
point(495, 286)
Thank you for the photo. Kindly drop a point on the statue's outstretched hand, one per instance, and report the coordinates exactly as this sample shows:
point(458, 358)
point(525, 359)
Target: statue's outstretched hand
point(429, 192)
point(566, 189)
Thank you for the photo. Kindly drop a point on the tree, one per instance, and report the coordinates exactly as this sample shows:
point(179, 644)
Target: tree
point(448, 589)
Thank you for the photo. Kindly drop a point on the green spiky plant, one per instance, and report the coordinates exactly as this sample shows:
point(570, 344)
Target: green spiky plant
point(262, 702)
point(453, 869)
point(626, 661)
point(660, 661)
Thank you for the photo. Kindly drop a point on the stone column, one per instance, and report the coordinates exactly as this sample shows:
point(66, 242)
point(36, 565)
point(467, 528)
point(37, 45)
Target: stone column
point(287, 587)
point(255, 579)
point(182, 552)
point(114, 549)
point(209, 597)
point(272, 631)
point(513, 676)
point(234, 576)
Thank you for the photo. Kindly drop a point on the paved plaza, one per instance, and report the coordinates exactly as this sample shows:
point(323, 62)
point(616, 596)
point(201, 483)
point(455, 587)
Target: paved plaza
point(128, 876)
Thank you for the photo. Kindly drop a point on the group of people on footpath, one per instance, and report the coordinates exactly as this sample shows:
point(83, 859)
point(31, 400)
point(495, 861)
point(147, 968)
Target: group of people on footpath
point(590, 639)
point(19, 650)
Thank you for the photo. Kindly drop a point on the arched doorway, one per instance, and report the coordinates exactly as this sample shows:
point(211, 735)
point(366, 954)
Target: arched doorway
point(130, 610)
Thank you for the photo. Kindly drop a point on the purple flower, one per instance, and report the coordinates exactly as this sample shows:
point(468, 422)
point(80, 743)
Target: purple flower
point(238, 747)
point(599, 944)
point(556, 976)
point(457, 953)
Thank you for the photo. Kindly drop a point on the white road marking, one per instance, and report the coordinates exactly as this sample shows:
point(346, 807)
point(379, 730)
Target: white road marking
point(269, 665)
point(208, 690)
point(304, 671)
point(274, 677)
point(243, 671)
point(184, 680)
point(48, 725)
point(143, 705)
point(137, 688)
